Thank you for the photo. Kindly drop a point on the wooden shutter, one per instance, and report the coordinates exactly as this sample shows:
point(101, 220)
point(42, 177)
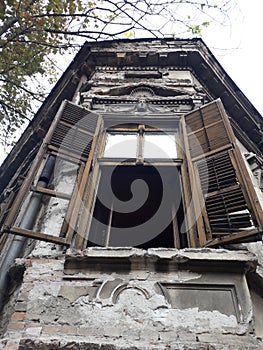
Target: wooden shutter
point(73, 136)
point(226, 205)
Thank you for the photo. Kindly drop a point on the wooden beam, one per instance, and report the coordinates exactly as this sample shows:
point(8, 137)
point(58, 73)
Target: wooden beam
point(232, 238)
point(51, 193)
point(37, 235)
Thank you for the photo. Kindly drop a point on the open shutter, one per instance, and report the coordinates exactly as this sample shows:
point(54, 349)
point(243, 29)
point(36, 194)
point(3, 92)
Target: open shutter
point(226, 205)
point(72, 136)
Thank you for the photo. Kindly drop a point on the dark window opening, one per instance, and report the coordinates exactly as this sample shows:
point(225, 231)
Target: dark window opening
point(139, 206)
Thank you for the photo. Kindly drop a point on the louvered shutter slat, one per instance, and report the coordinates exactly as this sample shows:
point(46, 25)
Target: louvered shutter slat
point(76, 115)
point(215, 164)
point(74, 130)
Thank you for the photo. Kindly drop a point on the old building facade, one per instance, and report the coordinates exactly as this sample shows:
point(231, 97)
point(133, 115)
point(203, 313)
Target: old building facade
point(131, 207)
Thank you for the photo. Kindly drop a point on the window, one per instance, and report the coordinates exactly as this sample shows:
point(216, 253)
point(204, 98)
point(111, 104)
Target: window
point(144, 210)
point(160, 146)
point(139, 197)
point(200, 197)
point(121, 145)
point(141, 144)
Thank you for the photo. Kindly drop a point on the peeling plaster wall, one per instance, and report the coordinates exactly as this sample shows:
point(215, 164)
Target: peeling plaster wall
point(53, 212)
point(7, 312)
point(54, 209)
point(258, 313)
point(76, 300)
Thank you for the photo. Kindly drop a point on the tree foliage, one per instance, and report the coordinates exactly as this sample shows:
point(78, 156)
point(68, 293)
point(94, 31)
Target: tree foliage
point(34, 32)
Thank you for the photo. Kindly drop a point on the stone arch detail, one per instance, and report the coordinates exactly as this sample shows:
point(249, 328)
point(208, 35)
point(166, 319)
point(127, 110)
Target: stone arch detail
point(125, 286)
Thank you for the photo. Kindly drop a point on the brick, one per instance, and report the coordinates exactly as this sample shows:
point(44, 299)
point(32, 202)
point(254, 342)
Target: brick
point(27, 287)
point(12, 345)
point(69, 330)
point(34, 331)
point(186, 336)
point(51, 329)
point(32, 324)
point(149, 335)
point(89, 331)
point(112, 332)
point(21, 306)
point(23, 296)
point(168, 336)
point(131, 334)
point(15, 326)
point(18, 316)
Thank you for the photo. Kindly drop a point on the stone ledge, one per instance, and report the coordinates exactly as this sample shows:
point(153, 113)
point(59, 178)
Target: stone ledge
point(203, 259)
point(73, 344)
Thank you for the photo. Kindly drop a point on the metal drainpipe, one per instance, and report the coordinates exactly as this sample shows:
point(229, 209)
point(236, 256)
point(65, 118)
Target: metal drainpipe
point(17, 246)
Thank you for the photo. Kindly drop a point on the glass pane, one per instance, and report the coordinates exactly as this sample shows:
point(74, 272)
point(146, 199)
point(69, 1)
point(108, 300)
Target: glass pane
point(160, 146)
point(121, 146)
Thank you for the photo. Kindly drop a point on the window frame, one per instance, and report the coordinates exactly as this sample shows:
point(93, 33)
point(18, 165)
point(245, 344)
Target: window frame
point(141, 130)
point(141, 134)
point(163, 125)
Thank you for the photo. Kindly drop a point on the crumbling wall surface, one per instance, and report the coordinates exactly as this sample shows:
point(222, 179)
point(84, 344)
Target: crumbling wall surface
point(7, 312)
point(258, 313)
point(134, 299)
point(15, 277)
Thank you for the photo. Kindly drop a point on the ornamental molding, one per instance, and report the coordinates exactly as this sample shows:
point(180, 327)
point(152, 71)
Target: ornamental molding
point(128, 90)
point(142, 98)
point(142, 105)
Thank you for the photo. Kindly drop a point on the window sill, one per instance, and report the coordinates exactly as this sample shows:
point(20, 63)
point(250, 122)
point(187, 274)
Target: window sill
point(167, 259)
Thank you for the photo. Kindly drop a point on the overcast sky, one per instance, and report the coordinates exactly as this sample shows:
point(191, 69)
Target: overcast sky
point(239, 49)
